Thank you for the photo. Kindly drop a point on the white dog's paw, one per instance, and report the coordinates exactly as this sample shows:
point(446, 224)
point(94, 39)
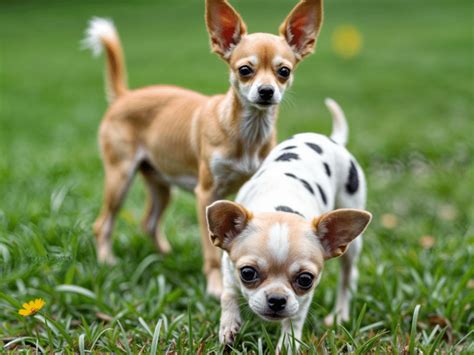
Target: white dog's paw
point(228, 330)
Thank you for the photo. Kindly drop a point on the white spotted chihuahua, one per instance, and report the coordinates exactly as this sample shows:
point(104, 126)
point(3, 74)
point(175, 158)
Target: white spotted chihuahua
point(207, 144)
point(285, 225)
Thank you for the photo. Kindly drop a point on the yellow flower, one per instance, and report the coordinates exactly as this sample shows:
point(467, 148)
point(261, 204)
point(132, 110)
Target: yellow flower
point(31, 307)
point(347, 41)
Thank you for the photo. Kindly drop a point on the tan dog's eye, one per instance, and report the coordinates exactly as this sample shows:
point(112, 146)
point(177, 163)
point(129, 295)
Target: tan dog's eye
point(304, 280)
point(245, 71)
point(249, 274)
point(284, 72)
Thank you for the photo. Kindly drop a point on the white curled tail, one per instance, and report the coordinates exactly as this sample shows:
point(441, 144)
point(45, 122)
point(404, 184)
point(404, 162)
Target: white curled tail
point(101, 34)
point(340, 129)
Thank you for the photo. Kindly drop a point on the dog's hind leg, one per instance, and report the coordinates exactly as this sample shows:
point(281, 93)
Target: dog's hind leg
point(349, 198)
point(158, 199)
point(118, 177)
point(347, 285)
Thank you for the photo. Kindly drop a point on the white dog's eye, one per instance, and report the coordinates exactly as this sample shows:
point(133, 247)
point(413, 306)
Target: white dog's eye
point(248, 274)
point(305, 280)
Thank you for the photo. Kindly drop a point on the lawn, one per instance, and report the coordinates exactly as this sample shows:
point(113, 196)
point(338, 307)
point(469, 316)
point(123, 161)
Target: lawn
point(408, 97)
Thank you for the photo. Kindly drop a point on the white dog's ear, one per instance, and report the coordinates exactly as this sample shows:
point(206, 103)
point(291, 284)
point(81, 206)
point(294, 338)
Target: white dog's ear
point(336, 229)
point(301, 27)
point(226, 220)
point(225, 27)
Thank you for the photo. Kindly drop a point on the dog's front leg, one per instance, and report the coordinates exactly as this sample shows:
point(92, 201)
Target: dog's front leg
point(292, 329)
point(230, 317)
point(206, 195)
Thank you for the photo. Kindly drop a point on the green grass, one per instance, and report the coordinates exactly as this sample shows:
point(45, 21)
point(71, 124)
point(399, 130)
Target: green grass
point(409, 100)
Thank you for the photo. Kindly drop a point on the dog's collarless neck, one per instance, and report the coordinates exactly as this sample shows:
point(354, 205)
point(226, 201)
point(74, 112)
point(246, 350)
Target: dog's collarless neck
point(253, 126)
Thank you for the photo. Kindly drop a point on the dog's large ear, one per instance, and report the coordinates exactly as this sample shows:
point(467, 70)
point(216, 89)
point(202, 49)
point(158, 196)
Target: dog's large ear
point(226, 220)
point(336, 229)
point(301, 27)
point(225, 27)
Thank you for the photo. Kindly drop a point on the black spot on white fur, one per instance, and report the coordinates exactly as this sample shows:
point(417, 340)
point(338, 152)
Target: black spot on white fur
point(315, 147)
point(322, 193)
point(287, 157)
point(352, 184)
point(287, 209)
point(328, 170)
point(289, 147)
point(306, 185)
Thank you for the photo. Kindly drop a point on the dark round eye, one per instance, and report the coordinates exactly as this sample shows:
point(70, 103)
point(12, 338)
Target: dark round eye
point(248, 274)
point(304, 280)
point(245, 70)
point(284, 72)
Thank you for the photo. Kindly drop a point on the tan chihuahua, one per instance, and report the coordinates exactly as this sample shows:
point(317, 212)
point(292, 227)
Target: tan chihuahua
point(174, 136)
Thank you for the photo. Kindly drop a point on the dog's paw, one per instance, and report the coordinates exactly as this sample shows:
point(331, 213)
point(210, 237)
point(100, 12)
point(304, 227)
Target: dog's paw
point(106, 258)
point(336, 318)
point(228, 331)
point(214, 283)
point(162, 244)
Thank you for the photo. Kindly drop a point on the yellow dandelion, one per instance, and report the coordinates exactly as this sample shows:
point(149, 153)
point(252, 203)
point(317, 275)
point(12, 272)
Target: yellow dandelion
point(347, 41)
point(31, 307)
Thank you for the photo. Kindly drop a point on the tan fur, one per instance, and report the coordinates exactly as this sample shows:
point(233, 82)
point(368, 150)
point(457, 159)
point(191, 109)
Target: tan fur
point(172, 135)
point(116, 75)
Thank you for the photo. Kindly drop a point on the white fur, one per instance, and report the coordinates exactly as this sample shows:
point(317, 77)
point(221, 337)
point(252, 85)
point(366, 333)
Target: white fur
point(278, 243)
point(340, 130)
point(228, 170)
point(99, 29)
point(257, 124)
point(277, 61)
point(253, 96)
point(257, 299)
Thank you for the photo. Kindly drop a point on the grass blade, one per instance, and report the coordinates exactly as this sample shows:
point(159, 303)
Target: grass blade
point(411, 349)
point(82, 348)
point(78, 290)
point(156, 338)
point(144, 325)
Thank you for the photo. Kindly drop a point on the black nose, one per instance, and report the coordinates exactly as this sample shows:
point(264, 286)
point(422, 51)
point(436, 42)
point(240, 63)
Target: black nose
point(277, 303)
point(266, 92)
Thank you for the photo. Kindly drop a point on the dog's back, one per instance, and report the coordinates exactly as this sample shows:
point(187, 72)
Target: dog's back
point(308, 174)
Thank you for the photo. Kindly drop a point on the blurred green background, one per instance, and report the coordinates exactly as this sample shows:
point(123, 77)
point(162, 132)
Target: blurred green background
point(408, 96)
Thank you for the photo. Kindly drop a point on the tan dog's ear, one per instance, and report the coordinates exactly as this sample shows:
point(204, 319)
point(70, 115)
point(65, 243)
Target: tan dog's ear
point(226, 220)
point(301, 27)
point(336, 229)
point(225, 27)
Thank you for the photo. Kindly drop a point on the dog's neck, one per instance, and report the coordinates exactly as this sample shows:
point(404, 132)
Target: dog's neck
point(249, 124)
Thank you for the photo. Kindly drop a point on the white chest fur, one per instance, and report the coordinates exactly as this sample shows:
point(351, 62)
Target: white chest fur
point(229, 171)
